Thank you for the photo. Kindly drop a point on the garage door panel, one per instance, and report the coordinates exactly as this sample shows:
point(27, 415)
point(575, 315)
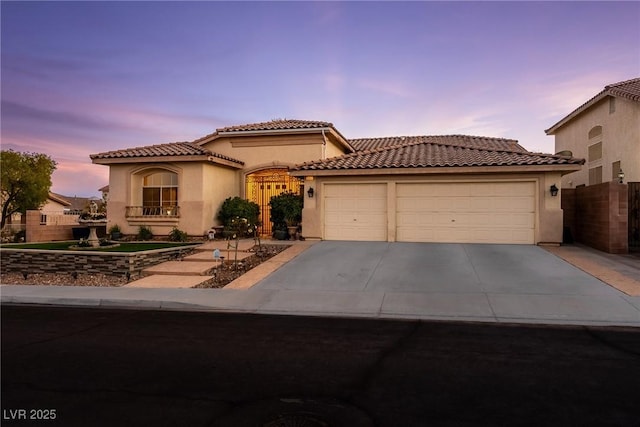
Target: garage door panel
point(500, 212)
point(355, 212)
point(453, 235)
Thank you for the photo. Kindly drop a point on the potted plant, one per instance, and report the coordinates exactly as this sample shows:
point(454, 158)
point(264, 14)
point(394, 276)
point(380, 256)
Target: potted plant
point(286, 212)
point(114, 232)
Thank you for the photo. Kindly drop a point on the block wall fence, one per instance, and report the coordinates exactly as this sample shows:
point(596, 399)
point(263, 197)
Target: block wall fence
point(597, 216)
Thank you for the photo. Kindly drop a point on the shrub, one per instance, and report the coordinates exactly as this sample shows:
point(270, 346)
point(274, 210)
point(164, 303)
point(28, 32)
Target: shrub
point(177, 235)
point(145, 233)
point(115, 228)
point(286, 209)
point(233, 208)
point(239, 217)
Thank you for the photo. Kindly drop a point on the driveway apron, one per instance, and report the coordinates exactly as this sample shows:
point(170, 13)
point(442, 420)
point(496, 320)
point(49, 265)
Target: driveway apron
point(433, 267)
point(469, 281)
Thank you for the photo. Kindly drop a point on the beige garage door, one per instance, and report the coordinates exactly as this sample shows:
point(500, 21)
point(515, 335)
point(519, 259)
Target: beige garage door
point(483, 212)
point(355, 212)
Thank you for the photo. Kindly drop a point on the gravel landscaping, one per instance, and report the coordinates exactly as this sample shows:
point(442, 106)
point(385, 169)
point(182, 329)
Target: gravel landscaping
point(229, 272)
point(60, 279)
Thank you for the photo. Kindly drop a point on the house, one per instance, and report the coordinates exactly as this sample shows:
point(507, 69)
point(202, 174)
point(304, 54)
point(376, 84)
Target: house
point(605, 131)
point(416, 188)
point(55, 203)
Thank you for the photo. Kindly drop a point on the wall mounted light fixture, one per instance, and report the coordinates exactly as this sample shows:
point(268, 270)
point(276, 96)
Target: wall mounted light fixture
point(620, 176)
point(310, 192)
point(553, 190)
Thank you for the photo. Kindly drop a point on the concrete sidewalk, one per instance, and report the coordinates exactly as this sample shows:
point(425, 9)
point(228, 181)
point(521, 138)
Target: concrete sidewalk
point(579, 300)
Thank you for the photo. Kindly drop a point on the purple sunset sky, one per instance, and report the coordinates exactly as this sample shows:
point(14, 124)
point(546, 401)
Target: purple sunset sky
point(86, 77)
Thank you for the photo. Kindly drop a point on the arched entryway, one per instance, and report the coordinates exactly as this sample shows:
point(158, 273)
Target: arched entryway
point(261, 185)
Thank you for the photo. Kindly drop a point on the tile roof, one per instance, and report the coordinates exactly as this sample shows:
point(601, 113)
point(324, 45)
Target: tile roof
point(273, 126)
point(278, 124)
point(628, 89)
point(163, 150)
point(426, 152)
point(461, 140)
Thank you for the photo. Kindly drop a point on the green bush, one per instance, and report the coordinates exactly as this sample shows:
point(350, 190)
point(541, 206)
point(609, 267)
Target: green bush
point(286, 210)
point(177, 235)
point(234, 208)
point(145, 233)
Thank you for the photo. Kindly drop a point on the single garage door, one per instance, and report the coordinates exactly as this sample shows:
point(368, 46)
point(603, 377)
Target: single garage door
point(479, 212)
point(355, 212)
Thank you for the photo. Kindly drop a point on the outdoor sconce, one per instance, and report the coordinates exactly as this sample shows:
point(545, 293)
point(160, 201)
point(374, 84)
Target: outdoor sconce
point(620, 176)
point(310, 192)
point(554, 190)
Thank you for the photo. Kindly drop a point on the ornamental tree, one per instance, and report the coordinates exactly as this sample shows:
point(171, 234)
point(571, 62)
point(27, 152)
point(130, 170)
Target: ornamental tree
point(25, 181)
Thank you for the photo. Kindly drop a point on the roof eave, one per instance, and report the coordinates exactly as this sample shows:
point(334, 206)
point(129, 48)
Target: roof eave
point(271, 131)
point(157, 159)
point(564, 169)
point(56, 198)
point(590, 103)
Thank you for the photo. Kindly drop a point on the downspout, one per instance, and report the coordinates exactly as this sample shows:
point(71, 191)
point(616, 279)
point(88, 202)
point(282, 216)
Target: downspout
point(324, 145)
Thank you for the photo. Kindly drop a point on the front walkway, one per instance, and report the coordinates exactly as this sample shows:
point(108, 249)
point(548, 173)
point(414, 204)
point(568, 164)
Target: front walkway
point(196, 268)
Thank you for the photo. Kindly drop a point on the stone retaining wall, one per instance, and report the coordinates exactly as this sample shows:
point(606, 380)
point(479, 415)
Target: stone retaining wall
point(110, 263)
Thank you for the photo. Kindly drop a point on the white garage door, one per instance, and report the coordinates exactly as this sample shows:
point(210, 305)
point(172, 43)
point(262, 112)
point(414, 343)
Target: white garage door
point(355, 212)
point(483, 212)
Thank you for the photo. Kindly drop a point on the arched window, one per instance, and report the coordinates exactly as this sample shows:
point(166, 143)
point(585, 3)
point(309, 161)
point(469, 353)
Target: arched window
point(160, 193)
point(595, 131)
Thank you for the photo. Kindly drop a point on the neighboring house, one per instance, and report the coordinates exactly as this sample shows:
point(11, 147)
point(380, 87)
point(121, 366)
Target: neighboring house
point(419, 188)
point(55, 203)
point(68, 204)
point(606, 132)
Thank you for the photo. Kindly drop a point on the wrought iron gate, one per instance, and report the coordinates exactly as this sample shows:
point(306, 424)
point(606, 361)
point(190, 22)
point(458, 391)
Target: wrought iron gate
point(263, 185)
point(634, 216)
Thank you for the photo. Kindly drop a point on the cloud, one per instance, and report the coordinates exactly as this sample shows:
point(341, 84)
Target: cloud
point(81, 179)
point(558, 95)
point(388, 87)
point(334, 82)
point(22, 112)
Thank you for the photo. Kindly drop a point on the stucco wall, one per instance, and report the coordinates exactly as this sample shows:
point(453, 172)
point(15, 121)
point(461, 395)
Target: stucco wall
point(219, 184)
point(620, 140)
point(52, 206)
point(201, 189)
point(548, 221)
point(266, 151)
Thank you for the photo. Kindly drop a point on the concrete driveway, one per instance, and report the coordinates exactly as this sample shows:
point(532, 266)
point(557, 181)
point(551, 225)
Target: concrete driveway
point(507, 282)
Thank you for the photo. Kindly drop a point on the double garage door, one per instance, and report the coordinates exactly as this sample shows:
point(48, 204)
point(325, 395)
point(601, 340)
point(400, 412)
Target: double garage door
point(468, 212)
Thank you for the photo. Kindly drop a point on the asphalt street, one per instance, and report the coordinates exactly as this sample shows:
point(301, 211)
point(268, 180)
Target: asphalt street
point(104, 367)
